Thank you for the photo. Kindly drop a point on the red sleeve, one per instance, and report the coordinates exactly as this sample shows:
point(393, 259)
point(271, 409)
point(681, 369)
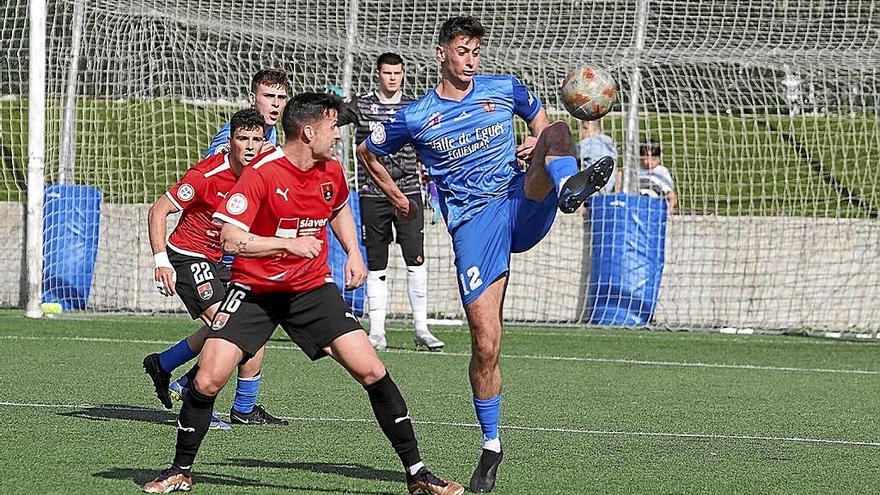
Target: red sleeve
point(243, 202)
point(188, 190)
point(340, 185)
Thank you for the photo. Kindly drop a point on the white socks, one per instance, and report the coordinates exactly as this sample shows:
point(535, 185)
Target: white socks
point(417, 287)
point(377, 296)
point(494, 445)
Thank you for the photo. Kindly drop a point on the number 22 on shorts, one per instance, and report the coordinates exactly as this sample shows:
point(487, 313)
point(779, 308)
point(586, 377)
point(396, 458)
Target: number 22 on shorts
point(473, 280)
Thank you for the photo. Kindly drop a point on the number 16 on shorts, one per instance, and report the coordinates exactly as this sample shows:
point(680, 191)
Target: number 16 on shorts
point(230, 305)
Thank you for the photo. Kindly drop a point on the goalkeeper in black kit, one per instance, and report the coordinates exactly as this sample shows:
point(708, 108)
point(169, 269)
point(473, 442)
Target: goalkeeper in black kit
point(379, 224)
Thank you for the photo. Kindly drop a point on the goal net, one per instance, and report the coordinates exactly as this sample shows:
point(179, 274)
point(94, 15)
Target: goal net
point(768, 114)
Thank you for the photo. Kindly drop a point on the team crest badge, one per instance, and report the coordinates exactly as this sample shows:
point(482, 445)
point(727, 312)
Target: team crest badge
point(434, 120)
point(205, 291)
point(327, 191)
point(220, 320)
point(488, 105)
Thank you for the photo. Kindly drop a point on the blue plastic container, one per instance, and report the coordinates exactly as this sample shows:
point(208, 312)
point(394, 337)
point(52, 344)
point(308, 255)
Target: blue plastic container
point(70, 243)
point(628, 250)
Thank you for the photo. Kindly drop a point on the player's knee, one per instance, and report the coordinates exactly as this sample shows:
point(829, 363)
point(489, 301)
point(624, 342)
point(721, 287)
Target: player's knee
point(485, 353)
point(559, 141)
point(373, 374)
point(207, 384)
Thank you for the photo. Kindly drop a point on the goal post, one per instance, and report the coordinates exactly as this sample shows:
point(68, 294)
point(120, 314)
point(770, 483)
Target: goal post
point(36, 130)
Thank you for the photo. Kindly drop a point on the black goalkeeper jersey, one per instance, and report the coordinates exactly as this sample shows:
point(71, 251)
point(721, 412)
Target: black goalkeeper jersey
point(365, 112)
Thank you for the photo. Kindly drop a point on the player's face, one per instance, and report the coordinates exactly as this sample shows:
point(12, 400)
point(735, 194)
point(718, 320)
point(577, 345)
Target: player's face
point(650, 162)
point(269, 101)
point(460, 58)
point(245, 144)
point(390, 78)
point(324, 134)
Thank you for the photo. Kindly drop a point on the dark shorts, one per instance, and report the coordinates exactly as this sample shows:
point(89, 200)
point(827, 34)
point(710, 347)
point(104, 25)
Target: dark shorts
point(377, 218)
point(312, 319)
point(201, 283)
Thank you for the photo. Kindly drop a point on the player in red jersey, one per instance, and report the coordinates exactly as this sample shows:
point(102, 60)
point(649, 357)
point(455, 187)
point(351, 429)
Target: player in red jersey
point(190, 267)
point(275, 224)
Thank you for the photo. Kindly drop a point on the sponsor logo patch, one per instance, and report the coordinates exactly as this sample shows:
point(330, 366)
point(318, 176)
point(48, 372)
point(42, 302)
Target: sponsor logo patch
point(237, 204)
point(287, 228)
point(205, 291)
point(220, 320)
point(378, 134)
point(185, 192)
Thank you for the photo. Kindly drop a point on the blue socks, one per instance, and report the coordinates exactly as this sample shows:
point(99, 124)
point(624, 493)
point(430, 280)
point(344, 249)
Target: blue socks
point(560, 169)
point(246, 390)
point(175, 355)
point(488, 412)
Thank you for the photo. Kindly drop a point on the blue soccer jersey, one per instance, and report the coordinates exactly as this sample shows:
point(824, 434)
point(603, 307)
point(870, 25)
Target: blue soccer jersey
point(467, 146)
point(220, 143)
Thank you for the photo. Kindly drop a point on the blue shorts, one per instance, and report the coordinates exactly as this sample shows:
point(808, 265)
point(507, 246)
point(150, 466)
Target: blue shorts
point(483, 243)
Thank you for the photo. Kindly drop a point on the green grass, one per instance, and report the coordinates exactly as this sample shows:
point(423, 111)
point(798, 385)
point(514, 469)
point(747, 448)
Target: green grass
point(722, 164)
point(585, 411)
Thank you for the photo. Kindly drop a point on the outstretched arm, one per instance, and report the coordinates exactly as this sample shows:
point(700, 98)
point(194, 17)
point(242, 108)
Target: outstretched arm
point(240, 243)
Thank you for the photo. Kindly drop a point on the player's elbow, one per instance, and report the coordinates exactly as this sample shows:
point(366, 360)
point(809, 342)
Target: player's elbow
point(157, 211)
point(229, 235)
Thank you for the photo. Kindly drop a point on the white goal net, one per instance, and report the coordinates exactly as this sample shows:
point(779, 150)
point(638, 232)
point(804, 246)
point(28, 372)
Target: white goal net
point(768, 114)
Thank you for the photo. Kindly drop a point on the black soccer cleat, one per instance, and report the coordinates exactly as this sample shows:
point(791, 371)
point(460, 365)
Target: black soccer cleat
point(483, 479)
point(258, 416)
point(584, 184)
point(161, 380)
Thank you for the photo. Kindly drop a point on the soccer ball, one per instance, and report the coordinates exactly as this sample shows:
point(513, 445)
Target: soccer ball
point(588, 92)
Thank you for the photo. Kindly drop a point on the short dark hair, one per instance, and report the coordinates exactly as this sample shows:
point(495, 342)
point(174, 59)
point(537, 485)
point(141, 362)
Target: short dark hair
point(388, 58)
point(270, 77)
point(246, 119)
point(650, 148)
point(461, 26)
point(307, 108)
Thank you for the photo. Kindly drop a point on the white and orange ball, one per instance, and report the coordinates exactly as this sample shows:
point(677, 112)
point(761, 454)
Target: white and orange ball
point(588, 92)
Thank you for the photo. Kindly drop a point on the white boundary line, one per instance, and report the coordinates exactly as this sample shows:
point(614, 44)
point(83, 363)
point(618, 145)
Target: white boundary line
point(635, 362)
point(737, 336)
point(581, 431)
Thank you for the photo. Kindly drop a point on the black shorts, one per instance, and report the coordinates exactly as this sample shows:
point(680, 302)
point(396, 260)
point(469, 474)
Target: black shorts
point(377, 217)
point(201, 283)
point(312, 319)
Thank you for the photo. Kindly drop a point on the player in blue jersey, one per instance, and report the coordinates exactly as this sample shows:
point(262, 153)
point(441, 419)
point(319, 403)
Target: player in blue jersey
point(268, 95)
point(269, 90)
point(463, 131)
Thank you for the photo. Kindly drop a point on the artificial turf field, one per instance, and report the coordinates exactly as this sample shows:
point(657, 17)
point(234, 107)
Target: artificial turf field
point(585, 411)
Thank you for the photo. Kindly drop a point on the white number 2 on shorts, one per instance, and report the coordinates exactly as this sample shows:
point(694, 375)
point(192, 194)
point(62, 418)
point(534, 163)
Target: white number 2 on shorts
point(475, 281)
